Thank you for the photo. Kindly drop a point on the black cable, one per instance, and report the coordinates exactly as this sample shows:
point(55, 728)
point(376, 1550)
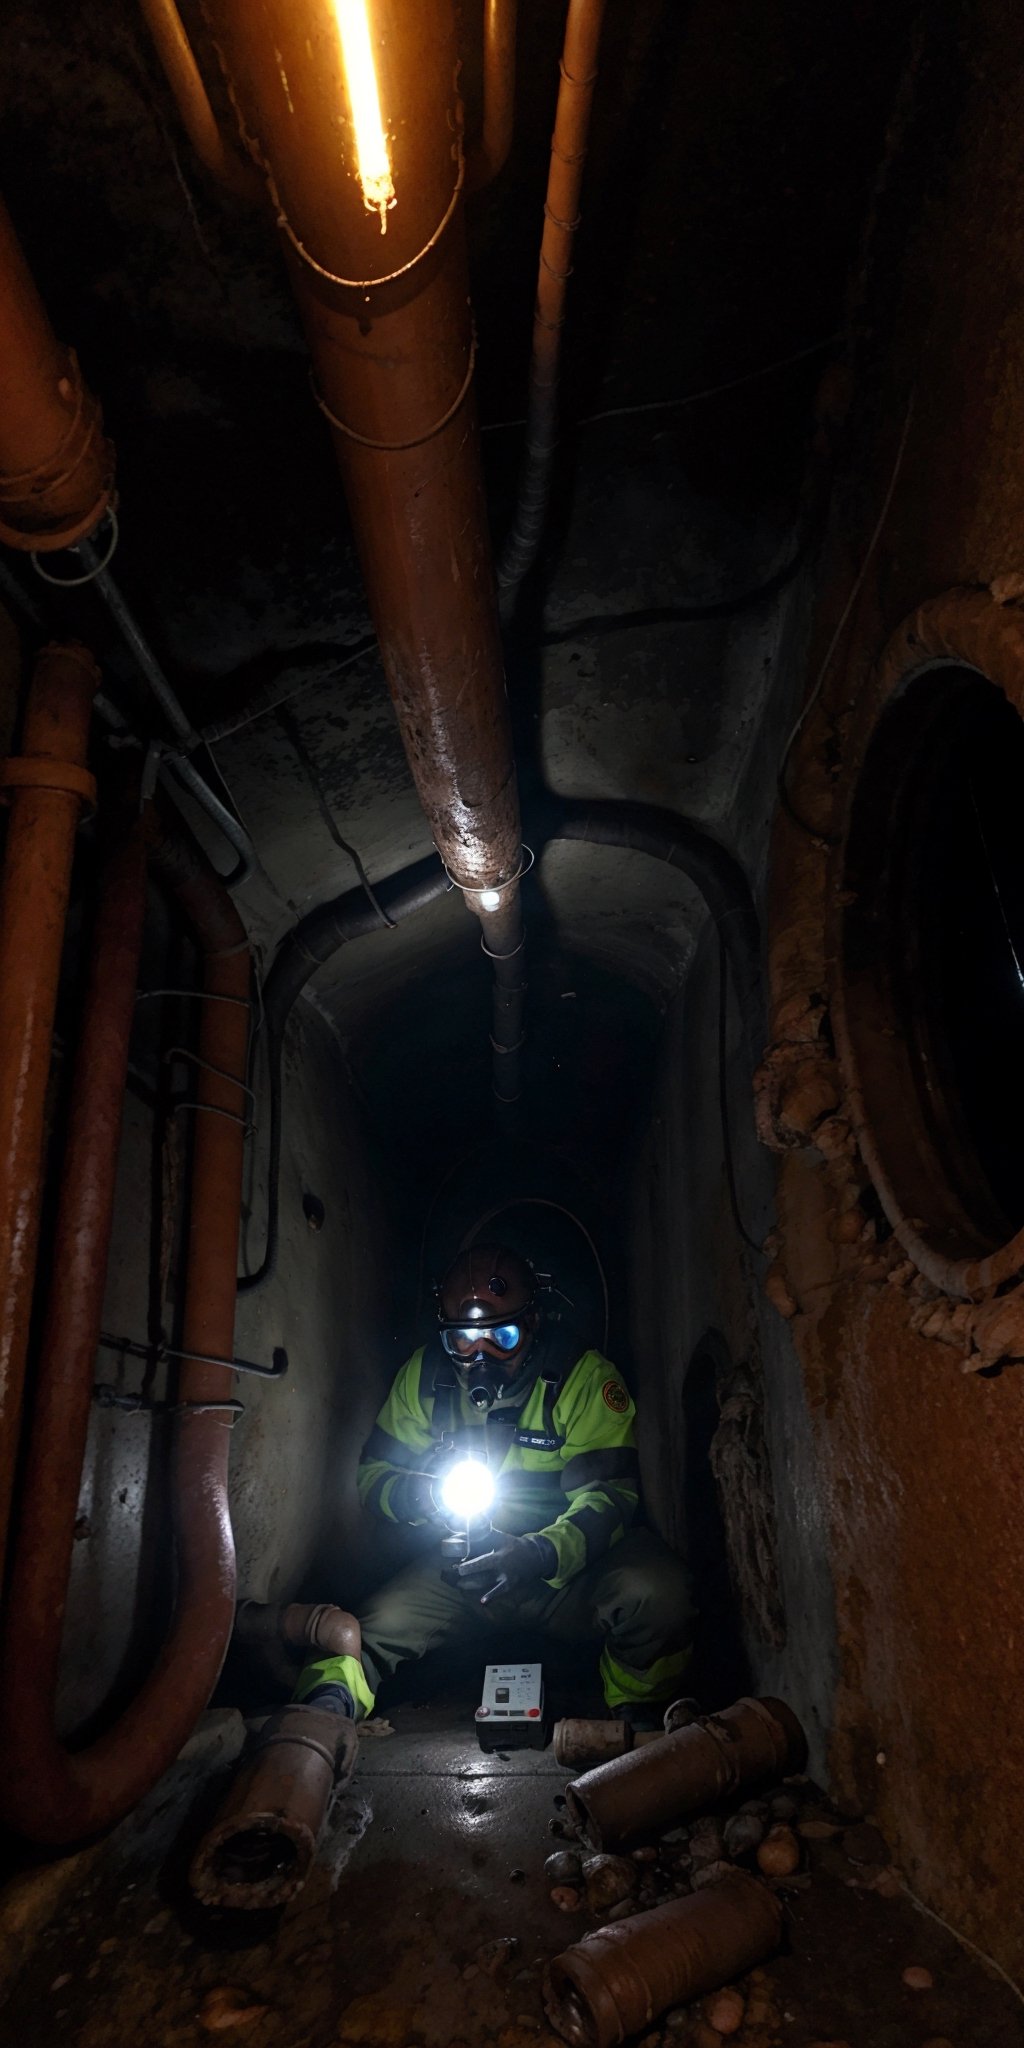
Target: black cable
point(290, 726)
point(600, 625)
point(723, 1095)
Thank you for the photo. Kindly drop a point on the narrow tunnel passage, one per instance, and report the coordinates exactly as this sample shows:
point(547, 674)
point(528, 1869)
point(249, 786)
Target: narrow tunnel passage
point(511, 1231)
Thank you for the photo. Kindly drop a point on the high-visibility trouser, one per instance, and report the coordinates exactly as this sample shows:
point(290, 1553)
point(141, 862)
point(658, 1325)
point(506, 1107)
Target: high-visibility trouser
point(635, 1601)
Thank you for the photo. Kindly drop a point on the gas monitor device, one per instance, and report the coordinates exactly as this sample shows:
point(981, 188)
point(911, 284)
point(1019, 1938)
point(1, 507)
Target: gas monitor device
point(511, 1713)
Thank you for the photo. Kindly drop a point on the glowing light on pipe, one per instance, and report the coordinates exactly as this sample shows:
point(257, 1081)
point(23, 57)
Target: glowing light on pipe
point(467, 1489)
point(372, 153)
point(490, 899)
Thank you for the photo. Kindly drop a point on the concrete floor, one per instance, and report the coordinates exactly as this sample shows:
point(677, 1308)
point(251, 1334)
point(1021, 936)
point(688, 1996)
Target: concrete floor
point(434, 1854)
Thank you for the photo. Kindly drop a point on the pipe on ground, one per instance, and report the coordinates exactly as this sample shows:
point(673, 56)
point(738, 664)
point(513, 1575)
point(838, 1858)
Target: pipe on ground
point(47, 786)
point(626, 1802)
point(48, 1792)
point(618, 1981)
point(390, 330)
point(260, 1849)
point(56, 467)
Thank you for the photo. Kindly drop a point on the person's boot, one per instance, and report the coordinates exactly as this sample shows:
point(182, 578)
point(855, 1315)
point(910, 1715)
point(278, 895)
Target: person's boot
point(332, 1698)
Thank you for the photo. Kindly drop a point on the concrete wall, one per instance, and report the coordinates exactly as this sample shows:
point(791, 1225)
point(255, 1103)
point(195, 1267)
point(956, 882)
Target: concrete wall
point(295, 1447)
point(919, 1462)
point(691, 1276)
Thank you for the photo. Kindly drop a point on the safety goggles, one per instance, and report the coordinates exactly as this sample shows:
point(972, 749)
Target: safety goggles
point(463, 1339)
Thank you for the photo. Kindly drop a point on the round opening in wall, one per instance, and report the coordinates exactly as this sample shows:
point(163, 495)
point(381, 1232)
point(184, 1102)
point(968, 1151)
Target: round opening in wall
point(931, 946)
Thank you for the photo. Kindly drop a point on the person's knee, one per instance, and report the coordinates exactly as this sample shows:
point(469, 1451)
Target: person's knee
point(656, 1597)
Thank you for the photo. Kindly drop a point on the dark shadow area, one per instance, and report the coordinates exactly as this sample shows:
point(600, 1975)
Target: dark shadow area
point(721, 1668)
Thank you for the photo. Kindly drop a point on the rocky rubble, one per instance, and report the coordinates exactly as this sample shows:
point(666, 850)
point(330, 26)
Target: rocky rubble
point(783, 1837)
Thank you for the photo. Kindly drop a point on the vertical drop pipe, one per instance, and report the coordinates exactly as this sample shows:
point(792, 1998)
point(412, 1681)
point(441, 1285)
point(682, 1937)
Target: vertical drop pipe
point(49, 1792)
point(377, 259)
point(47, 786)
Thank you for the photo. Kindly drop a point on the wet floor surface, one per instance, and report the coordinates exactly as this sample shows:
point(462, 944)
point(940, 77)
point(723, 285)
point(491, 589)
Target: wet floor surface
point(427, 1924)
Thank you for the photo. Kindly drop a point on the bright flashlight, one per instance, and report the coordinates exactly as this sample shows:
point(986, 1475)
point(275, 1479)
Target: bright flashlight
point(467, 1490)
point(364, 101)
point(490, 899)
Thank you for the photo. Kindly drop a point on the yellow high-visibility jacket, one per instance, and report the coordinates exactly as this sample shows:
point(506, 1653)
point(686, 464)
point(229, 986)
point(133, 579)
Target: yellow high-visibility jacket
point(564, 1461)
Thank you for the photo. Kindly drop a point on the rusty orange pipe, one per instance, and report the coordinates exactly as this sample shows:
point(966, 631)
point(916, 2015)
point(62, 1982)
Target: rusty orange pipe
point(487, 156)
point(47, 785)
point(47, 1792)
point(198, 118)
point(390, 330)
point(56, 467)
point(583, 25)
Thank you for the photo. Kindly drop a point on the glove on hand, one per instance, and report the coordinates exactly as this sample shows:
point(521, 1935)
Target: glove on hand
point(513, 1562)
point(412, 1499)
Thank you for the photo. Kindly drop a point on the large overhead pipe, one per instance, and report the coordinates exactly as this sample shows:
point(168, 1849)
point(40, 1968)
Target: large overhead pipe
point(56, 467)
point(351, 108)
point(47, 786)
point(48, 1792)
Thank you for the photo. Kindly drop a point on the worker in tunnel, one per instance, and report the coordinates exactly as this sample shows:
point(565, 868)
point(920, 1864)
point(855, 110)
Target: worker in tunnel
point(502, 1402)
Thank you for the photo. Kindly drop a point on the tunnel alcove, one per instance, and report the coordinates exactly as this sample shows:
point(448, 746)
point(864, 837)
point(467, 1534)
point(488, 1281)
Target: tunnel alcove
point(932, 951)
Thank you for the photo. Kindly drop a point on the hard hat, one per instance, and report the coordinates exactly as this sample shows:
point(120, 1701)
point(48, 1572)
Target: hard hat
point(486, 1305)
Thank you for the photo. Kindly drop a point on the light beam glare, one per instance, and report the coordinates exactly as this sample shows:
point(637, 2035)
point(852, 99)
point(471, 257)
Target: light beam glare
point(467, 1489)
point(364, 101)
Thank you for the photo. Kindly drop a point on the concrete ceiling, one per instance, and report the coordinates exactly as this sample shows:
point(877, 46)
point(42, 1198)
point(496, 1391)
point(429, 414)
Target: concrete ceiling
point(725, 189)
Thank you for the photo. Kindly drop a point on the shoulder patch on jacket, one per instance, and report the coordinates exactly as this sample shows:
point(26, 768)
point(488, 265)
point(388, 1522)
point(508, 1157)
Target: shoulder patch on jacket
point(615, 1396)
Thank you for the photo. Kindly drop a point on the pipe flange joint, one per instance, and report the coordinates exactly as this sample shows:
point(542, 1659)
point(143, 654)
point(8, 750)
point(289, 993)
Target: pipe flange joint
point(36, 771)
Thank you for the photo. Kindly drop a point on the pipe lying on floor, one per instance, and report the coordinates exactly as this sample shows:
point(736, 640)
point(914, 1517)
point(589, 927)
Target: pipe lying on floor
point(390, 331)
point(626, 1802)
point(621, 1978)
point(47, 785)
point(260, 1849)
point(48, 1792)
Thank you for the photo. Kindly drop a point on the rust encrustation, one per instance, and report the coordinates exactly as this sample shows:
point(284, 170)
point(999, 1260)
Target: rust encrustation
point(260, 1849)
point(615, 1983)
point(623, 1803)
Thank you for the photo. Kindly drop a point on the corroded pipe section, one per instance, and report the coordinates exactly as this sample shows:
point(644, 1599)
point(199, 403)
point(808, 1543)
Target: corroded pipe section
point(616, 1982)
point(486, 157)
point(579, 1744)
point(56, 466)
point(260, 1849)
point(47, 785)
point(48, 1792)
point(318, 1627)
point(44, 1535)
point(390, 331)
point(624, 1802)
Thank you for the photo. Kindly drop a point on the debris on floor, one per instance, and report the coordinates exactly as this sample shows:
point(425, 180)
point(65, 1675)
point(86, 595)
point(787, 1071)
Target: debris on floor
point(421, 1936)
